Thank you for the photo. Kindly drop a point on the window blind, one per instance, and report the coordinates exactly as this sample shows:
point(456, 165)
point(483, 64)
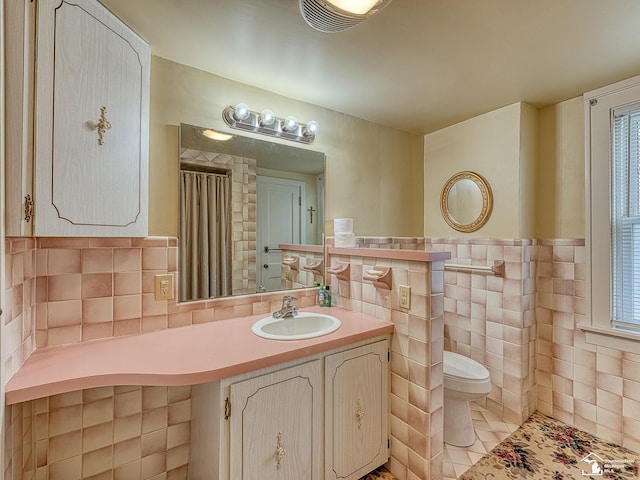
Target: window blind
point(625, 218)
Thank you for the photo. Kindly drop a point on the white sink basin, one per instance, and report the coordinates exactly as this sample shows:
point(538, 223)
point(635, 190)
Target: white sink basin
point(304, 325)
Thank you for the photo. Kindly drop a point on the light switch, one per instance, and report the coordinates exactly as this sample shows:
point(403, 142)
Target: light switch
point(404, 296)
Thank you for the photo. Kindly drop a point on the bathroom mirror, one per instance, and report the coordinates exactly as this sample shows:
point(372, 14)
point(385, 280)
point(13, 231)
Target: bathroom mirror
point(466, 201)
point(242, 201)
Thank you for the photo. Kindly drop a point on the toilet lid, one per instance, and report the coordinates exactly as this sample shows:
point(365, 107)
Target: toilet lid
point(459, 366)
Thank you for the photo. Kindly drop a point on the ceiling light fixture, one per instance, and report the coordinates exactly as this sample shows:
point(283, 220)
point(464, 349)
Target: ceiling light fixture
point(266, 123)
point(330, 16)
point(215, 135)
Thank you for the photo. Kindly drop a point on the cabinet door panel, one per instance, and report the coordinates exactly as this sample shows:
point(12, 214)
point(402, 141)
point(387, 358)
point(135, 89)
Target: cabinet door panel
point(281, 409)
point(356, 409)
point(88, 183)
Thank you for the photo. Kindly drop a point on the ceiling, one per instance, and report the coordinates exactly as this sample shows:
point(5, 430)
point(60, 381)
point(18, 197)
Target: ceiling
point(418, 65)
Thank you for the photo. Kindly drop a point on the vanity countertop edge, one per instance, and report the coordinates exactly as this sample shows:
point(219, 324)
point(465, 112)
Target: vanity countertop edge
point(186, 355)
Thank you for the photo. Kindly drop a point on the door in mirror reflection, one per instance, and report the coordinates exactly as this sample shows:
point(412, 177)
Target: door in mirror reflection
point(279, 222)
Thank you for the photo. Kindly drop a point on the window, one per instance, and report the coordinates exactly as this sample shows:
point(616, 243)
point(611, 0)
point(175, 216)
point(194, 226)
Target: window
point(612, 119)
point(625, 217)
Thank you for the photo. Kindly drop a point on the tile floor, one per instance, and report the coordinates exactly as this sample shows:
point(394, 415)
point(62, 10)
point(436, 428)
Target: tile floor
point(490, 430)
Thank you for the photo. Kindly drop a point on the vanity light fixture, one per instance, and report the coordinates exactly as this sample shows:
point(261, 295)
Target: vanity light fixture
point(330, 16)
point(266, 123)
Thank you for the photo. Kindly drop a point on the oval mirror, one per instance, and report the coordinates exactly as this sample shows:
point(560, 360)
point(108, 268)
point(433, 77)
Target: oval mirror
point(466, 201)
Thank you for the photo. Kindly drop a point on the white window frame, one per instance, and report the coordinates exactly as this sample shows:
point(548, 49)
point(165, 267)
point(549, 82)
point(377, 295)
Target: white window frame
point(598, 106)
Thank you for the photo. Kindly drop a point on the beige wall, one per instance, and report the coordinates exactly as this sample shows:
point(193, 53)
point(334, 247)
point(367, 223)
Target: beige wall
point(561, 207)
point(373, 173)
point(533, 160)
point(488, 145)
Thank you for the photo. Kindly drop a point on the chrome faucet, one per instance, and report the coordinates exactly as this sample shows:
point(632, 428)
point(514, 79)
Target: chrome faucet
point(288, 308)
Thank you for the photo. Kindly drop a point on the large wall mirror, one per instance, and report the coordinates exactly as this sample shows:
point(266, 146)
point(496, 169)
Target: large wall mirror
point(251, 215)
point(466, 201)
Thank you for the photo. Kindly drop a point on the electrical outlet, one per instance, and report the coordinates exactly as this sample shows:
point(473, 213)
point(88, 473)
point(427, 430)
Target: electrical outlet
point(404, 296)
point(164, 287)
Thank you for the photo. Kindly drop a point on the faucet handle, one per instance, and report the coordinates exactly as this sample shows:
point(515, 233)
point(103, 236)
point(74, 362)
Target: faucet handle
point(287, 299)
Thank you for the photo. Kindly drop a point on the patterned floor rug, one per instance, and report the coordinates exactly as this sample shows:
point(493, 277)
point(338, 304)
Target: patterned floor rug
point(379, 474)
point(546, 449)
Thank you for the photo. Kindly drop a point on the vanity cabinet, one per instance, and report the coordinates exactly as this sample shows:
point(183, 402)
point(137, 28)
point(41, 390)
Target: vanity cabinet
point(321, 417)
point(276, 425)
point(78, 145)
point(356, 411)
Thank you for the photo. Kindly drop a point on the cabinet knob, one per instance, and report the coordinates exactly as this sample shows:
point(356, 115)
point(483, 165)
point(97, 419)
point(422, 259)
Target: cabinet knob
point(280, 451)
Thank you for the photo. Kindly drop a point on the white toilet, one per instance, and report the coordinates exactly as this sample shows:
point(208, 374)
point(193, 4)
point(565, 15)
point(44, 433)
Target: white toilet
point(464, 380)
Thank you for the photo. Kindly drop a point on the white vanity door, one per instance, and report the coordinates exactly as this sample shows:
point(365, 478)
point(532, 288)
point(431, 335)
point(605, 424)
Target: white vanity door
point(276, 425)
point(356, 411)
point(91, 125)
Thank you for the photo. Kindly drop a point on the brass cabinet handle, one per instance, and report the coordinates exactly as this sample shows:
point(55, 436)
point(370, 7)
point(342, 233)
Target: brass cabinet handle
point(28, 208)
point(280, 451)
point(103, 125)
point(359, 413)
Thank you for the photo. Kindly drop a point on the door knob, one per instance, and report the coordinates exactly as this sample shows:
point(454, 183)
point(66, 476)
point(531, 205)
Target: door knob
point(266, 265)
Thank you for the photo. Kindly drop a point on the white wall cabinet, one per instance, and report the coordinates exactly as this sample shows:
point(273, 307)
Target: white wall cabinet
point(322, 417)
point(87, 120)
point(356, 411)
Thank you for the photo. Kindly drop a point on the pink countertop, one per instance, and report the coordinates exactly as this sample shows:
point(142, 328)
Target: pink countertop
point(179, 356)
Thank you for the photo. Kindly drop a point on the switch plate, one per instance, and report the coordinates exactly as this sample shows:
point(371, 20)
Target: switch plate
point(404, 296)
point(164, 286)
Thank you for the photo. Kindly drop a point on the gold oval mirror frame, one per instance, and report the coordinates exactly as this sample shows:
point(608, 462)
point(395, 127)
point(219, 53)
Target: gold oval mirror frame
point(466, 201)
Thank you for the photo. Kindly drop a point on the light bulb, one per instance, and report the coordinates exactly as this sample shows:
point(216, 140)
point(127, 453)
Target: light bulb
point(358, 7)
point(215, 135)
point(241, 112)
point(267, 118)
point(290, 124)
point(310, 129)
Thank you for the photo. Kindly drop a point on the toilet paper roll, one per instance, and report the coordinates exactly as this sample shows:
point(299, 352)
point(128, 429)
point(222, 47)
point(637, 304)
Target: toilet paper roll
point(342, 225)
point(344, 240)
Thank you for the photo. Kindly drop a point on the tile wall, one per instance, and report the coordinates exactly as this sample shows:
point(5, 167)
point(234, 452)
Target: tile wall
point(416, 354)
point(19, 315)
point(61, 290)
point(492, 319)
point(594, 388)
point(101, 433)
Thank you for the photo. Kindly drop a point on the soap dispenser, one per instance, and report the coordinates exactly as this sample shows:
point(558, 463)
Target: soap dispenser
point(327, 296)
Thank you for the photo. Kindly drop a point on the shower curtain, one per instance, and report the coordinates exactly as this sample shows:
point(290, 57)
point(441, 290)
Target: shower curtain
point(205, 235)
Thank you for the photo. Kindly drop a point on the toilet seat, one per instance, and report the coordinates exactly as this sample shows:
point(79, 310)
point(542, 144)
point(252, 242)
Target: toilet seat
point(463, 374)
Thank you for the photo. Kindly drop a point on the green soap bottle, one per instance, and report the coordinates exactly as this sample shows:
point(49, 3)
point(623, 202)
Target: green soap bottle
point(327, 296)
